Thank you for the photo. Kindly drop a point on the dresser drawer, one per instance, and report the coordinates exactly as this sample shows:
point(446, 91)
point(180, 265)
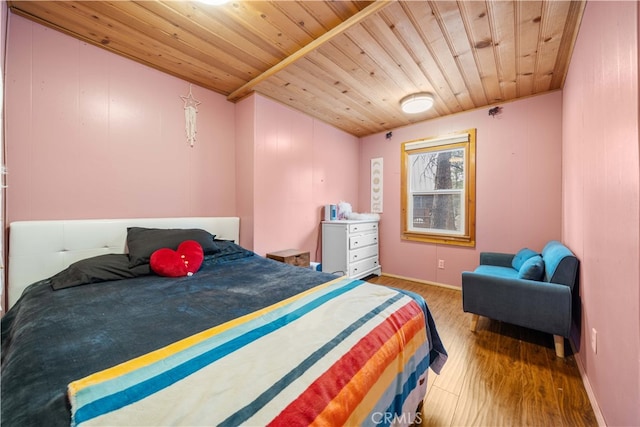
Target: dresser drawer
point(362, 253)
point(356, 242)
point(360, 228)
point(360, 267)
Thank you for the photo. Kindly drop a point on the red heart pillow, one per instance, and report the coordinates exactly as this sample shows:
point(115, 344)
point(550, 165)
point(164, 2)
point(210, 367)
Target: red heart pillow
point(184, 261)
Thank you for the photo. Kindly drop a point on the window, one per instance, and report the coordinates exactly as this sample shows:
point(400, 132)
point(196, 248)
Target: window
point(438, 189)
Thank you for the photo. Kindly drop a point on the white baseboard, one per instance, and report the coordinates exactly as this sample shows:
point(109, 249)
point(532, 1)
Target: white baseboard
point(588, 389)
point(426, 282)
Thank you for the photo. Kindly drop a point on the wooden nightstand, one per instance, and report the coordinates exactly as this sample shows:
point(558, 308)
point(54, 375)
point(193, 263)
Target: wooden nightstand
point(291, 256)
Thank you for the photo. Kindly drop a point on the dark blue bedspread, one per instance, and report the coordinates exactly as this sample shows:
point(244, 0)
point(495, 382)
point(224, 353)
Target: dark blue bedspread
point(51, 338)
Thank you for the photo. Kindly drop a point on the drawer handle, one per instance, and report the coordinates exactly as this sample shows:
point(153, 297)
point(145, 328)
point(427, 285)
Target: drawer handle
point(355, 256)
point(355, 243)
point(355, 228)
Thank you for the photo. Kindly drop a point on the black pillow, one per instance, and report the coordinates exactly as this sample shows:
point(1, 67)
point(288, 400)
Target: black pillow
point(142, 242)
point(228, 250)
point(100, 268)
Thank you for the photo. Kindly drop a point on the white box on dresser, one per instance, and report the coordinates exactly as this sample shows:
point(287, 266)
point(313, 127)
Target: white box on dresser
point(350, 247)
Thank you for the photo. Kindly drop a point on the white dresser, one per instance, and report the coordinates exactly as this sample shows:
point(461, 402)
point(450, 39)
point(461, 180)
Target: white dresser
point(350, 248)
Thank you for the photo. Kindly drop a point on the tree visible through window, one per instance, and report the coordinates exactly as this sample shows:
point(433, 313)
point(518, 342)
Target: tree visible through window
point(438, 189)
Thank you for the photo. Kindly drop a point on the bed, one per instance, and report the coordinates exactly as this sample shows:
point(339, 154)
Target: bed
point(245, 340)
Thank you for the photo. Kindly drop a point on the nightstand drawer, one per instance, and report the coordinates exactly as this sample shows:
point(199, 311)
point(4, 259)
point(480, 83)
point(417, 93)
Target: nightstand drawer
point(291, 256)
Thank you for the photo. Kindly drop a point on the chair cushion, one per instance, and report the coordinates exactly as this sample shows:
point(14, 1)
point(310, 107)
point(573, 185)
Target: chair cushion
point(522, 255)
point(532, 269)
point(494, 270)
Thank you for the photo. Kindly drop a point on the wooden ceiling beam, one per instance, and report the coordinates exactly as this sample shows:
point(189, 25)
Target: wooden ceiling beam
point(373, 8)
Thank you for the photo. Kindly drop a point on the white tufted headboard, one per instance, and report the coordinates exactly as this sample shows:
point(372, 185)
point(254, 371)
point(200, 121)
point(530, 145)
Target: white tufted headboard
point(40, 249)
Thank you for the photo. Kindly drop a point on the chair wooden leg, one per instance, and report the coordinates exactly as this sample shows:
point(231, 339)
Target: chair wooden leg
point(559, 343)
point(474, 322)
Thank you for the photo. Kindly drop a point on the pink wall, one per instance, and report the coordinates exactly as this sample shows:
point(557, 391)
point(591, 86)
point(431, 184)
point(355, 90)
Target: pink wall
point(300, 164)
point(245, 157)
point(601, 202)
point(94, 135)
point(91, 134)
point(518, 185)
point(3, 37)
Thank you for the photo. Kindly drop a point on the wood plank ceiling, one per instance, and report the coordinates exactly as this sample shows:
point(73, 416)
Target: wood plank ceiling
point(347, 63)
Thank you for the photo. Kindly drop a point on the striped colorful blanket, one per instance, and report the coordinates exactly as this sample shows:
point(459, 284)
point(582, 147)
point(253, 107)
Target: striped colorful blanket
point(342, 353)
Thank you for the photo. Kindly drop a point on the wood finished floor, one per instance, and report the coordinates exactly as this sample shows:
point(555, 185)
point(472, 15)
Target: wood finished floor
point(500, 375)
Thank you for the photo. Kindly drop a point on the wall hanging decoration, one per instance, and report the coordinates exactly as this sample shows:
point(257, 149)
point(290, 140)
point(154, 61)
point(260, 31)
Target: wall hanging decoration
point(190, 111)
point(376, 185)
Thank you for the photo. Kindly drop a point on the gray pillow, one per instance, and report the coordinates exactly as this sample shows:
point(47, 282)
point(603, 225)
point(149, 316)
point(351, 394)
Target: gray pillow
point(97, 269)
point(532, 269)
point(142, 242)
point(522, 255)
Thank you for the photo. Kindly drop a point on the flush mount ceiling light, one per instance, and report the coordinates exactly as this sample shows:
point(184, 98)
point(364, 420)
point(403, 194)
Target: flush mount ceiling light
point(417, 103)
point(214, 2)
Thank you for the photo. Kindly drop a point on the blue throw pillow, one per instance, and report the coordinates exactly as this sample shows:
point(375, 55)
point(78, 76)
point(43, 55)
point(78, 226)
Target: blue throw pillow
point(532, 269)
point(522, 255)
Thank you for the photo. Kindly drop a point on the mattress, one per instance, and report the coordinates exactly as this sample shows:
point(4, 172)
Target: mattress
point(60, 346)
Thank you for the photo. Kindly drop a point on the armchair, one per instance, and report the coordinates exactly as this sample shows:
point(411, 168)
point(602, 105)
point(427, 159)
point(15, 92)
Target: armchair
point(506, 287)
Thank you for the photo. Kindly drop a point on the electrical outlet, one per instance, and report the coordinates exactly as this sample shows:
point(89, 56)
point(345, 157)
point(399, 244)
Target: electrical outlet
point(441, 263)
point(594, 340)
